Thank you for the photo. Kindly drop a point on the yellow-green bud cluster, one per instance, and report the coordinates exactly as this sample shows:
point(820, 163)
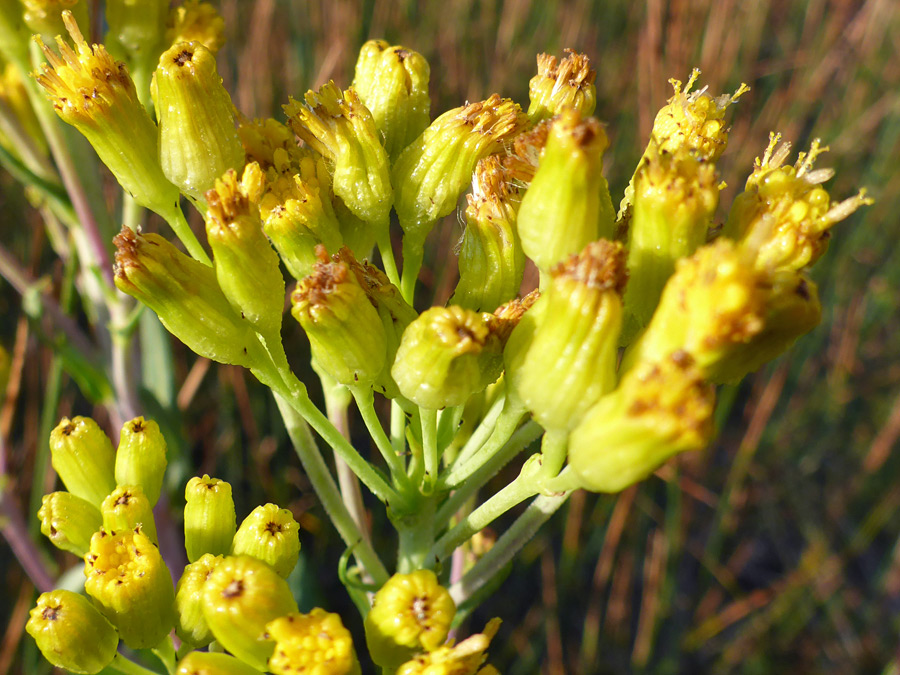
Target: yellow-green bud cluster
point(465, 658)
point(312, 643)
point(557, 86)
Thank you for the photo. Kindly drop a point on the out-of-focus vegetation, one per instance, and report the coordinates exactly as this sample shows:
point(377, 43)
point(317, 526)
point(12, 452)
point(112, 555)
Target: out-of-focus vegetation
point(775, 551)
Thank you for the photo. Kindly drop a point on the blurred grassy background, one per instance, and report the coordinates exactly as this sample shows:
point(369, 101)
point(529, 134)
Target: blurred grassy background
point(776, 550)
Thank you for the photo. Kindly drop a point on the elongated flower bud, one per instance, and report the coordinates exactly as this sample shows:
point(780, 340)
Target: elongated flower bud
point(209, 520)
point(198, 141)
point(466, 657)
point(195, 21)
point(186, 296)
point(567, 204)
point(141, 457)
point(491, 260)
point(96, 95)
point(84, 458)
point(69, 522)
point(784, 216)
point(192, 627)
point(71, 633)
point(44, 17)
point(128, 579)
point(392, 82)
point(561, 358)
point(312, 643)
point(446, 355)
point(246, 266)
point(345, 332)
point(340, 128)
point(557, 86)
point(240, 597)
point(126, 508)
point(411, 612)
point(212, 663)
point(272, 535)
point(658, 410)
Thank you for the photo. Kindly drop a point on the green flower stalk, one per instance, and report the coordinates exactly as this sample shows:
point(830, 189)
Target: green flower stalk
point(558, 86)
point(195, 21)
point(14, 35)
point(212, 663)
point(345, 332)
point(69, 522)
point(141, 457)
point(784, 216)
point(187, 298)
point(240, 597)
point(84, 458)
point(465, 658)
point(127, 508)
point(561, 358)
point(392, 82)
point(491, 260)
point(130, 583)
point(44, 17)
point(198, 141)
point(192, 628)
point(209, 519)
point(659, 409)
point(138, 28)
point(315, 643)
point(247, 268)
point(567, 204)
point(71, 633)
point(410, 613)
point(272, 535)
point(446, 355)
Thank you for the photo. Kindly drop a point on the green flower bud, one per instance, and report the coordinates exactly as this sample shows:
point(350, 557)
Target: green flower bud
point(141, 457)
point(345, 332)
point(240, 597)
point(561, 358)
point(187, 298)
point(341, 129)
point(411, 613)
point(138, 26)
point(392, 82)
point(192, 627)
point(196, 21)
point(556, 87)
point(312, 643)
point(45, 16)
point(246, 266)
point(126, 508)
point(209, 520)
point(446, 355)
point(567, 204)
point(128, 579)
point(491, 261)
point(212, 663)
point(272, 535)
point(71, 633)
point(84, 458)
point(198, 141)
point(675, 198)
point(658, 410)
point(784, 216)
point(69, 522)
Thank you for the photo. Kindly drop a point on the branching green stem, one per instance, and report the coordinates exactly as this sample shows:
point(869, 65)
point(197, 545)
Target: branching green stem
point(429, 446)
point(365, 401)
point(122, 665)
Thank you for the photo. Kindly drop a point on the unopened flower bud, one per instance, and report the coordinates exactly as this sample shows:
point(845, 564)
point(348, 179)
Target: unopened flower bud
point(198, 141)
point(561, 358)
point(69, 522)
point(272, 535)
point(71, 633)
point(567, 204)
point(44, 17)
point(557, 86)
point(213, 663)
point(411, 613)
point(195, 21)
point(186, 296)
point(464, 658)
point(446, 355)
point(312, 643)
point(141, 457)
point(240, 597)
point(209, 520)
point(345, 332)
point(192, 627)
point(658, 410)
point(392, 82)
point(126, 508)
point(83, 456)
point(128, 579)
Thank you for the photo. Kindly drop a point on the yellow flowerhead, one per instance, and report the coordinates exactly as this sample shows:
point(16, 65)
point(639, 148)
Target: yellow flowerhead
point(312, 644)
